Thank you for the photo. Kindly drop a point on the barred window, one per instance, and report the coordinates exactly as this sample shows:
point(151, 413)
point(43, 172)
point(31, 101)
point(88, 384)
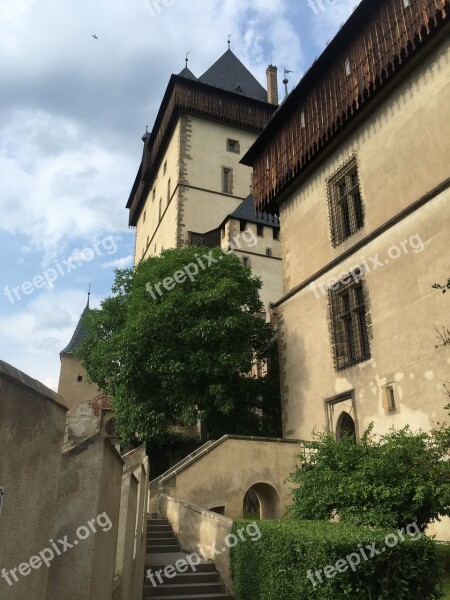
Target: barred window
point(345, 203)
point(348, 314)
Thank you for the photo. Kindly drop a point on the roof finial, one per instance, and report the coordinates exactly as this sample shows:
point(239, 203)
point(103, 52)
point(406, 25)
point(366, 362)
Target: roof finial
point(89, 296)
point(229, 41)
point(286, 80)
point(187, 58)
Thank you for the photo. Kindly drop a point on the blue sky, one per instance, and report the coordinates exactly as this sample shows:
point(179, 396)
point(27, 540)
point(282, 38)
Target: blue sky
point(72, 113)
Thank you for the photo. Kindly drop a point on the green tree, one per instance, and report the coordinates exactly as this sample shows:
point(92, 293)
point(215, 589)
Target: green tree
point(388, 481)
point(171, 358)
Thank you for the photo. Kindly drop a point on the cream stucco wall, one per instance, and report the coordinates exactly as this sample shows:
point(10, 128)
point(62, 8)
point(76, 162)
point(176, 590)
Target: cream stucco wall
point(161, 233)
point(228, 468)
point(402, 150)
point(194, 158)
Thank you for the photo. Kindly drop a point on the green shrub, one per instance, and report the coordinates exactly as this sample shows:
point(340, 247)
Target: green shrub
point(280, 565)
point(384, 481)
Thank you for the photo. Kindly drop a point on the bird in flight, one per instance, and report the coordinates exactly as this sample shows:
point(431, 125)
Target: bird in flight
point(95, 36)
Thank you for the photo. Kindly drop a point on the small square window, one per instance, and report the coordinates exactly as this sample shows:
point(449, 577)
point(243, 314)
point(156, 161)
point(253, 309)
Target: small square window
point(260, 230)
point(276, 234)
point(246, 261)
point(345, 203)
point(80, 378)
point(233, 146)
point(242, 225)
point(269, 252)
point(349, 326)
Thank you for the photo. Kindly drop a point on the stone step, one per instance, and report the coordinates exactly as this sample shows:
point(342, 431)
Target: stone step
point(162, 541)
point(162, 549)
point(160, 534)
point(188, 596)
point(157, 522)
point(156, 562)
point(184, 578)
point(180, 590)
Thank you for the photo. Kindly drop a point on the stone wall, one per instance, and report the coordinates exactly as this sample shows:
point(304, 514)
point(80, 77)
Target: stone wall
point(32, 424)
point(195, 526)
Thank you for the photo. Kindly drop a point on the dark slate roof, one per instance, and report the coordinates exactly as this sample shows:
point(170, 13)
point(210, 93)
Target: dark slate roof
point(79, 335)
point(228, 73)
point(187, 74)
point(246, 212)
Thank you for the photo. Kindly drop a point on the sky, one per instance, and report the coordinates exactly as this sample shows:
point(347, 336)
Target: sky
point(73, 109)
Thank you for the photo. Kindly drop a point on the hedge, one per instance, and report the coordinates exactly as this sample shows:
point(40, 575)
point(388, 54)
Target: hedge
point(276, 566)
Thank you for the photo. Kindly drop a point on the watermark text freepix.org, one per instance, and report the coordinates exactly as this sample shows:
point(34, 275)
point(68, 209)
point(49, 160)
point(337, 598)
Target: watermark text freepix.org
point(62, 268)
point(365, 553)
point(192, 561)
point(47, 555)
point(414, 243)
point(191, 270)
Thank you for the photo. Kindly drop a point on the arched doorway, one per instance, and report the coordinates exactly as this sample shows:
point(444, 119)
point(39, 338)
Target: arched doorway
point(262, 501)
point(345, 427)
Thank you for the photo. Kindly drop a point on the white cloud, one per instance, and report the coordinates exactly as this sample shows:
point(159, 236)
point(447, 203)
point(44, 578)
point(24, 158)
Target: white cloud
point(119, 263)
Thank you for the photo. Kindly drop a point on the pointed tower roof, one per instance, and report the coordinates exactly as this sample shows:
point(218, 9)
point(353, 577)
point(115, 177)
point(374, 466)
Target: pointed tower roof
point(228, 73)
point(79, 334)
point(187, 74)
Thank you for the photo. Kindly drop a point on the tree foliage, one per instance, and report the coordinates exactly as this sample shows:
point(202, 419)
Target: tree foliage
point(171, 359)
point(389, 481)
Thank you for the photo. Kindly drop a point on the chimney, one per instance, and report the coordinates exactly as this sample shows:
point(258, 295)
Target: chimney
point(272, 85)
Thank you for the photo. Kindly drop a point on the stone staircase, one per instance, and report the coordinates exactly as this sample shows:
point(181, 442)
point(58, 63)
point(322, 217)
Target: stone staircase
point(164, 550)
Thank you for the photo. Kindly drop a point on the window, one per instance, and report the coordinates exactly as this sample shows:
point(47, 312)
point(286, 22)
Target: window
point(276, 234)
point(260, 230)
point(233, 146)
point(80, 378)
point(345, 203)
point(145, 216)
point(349, 322)
point(246, 261)
point(227, 180)
point(389, 398)
point(242, 225)
point(269, 252)
point(148, 241)
point(348, 67)
point(168, 191)
point(160, 209)
point(165, 167)
point(154, 193)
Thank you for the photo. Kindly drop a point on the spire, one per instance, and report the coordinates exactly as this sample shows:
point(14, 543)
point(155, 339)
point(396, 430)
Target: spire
point(229, 41)
point(79, 334)
point(187, 58)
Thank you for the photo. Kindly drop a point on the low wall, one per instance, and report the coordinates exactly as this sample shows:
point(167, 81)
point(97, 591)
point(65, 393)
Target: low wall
point(32, 425)
point(89, 486)
point(196, 527)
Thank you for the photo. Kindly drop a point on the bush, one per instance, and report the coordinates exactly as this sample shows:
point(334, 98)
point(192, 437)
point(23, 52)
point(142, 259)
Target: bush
point(385, 481)
point(276, 567)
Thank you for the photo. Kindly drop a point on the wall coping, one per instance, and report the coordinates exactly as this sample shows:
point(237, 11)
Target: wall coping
point(91, 441)
point(199, 510)
point(13, 375)
point(210, 447)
